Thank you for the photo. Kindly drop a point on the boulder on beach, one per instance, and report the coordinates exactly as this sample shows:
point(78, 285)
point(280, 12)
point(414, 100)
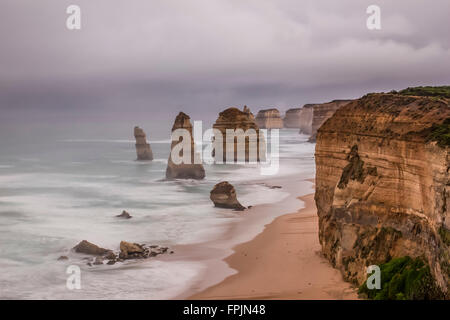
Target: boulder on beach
point(223, 195)
point(191, 169)
point(89, 248)
point(143, 149)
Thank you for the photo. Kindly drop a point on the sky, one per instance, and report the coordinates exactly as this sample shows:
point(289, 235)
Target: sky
point(146, 60)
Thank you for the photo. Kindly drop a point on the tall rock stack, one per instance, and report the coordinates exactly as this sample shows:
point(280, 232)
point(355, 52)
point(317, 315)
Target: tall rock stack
point(233, 118)
point(189, 170)
point(322, 112)
point(382, 185)
point(269, 119)
point(143, 150)
point(292, 118)
point(306, 116)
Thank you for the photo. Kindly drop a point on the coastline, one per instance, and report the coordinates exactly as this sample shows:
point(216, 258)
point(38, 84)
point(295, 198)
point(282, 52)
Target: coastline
point(282, 262)
point(271, 253)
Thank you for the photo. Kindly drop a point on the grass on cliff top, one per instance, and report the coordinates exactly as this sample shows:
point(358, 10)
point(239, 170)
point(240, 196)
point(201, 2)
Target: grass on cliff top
point(441, 133)
point(441, 91)
point(404, 279)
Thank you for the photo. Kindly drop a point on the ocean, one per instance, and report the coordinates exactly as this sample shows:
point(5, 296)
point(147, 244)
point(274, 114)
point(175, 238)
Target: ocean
point(55, 192)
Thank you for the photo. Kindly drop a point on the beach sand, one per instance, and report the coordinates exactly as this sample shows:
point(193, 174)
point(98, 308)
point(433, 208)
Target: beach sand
point(282, 262)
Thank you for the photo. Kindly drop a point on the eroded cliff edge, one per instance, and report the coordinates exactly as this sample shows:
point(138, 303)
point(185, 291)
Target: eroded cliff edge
point(382, 185)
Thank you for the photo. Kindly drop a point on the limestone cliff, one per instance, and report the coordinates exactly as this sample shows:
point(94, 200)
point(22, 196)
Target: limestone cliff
point(269, 119)
point(382, 184)
point(234, 119)
point(143, 150)
point(191, 169)
point(292, 118)
point(306, 116)
point(322, 112)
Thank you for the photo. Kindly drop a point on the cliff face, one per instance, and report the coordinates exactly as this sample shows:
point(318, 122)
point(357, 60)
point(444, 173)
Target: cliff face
point(306, 116)
point(292, 118)
point(269, 119)
point(322, 112)
point(143, 150)
point(192, 169)
point(233, 118)
point(382, 185)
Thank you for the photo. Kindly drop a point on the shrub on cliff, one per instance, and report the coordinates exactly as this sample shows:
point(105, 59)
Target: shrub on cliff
point(441, 133)
point(404, 279)
point(441, 91)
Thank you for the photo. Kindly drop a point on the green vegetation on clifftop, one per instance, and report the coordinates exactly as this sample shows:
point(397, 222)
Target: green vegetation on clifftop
point(441, 91)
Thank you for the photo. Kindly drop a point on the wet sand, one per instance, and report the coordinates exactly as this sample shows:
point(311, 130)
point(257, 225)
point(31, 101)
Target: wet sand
point(282, 262)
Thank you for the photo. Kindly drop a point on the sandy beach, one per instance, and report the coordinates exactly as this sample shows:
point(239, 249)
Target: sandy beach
point(282, 262)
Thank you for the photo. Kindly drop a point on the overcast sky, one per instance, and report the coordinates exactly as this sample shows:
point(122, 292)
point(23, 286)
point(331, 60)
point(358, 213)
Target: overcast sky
point(151, 58)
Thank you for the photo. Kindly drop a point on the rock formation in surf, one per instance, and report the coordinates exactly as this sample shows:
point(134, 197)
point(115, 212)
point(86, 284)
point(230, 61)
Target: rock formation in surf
point(249, 147)
point(322, 112)
point(223, 195)
point(89, 248)
point(143, 150)
point(383, 188)
point(269, 119)
point(292, 118)
point(306, 116)
point(190, 166)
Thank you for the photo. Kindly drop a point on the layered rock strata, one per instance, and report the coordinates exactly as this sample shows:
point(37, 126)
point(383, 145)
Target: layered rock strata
point(223, 195)
point(269, 119)
point(382, 185)
point(248, 143)
point(322, 112)
point(143, 149)
point(192, 168)
point(292, 118)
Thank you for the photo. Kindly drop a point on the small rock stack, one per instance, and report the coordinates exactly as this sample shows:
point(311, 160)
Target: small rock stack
point(143, 150)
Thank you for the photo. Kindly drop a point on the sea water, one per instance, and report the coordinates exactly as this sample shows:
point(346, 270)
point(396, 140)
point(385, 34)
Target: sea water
point(57, 192)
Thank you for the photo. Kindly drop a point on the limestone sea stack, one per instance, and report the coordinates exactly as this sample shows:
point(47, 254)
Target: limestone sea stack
point(292, 118)
point(193, 169)
point(234, 119)
point(143, 150)
point(383, 188)
point(322, 112)
point(269, 119)
point(223, 195)
point(306, 116)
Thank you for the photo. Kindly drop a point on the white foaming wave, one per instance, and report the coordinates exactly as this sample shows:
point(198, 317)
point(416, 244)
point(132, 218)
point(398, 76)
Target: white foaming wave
point(113, 140)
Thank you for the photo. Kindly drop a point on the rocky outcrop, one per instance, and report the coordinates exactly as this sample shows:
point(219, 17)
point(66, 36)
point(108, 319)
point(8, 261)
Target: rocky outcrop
point(292, 118)
point(124, 215)
point(322, 112)
point(192, 168)
point(269, 119)
point(223, 195)
point(235, 119)
point(89, 248)
point(143, 150)
point(382, 184)
point(306, 116)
